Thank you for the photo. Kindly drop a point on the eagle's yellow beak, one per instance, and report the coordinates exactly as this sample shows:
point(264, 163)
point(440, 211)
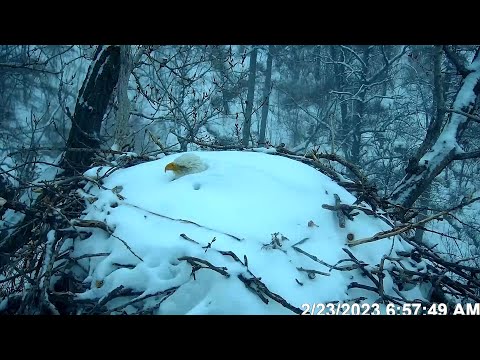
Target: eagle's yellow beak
point(171, 166)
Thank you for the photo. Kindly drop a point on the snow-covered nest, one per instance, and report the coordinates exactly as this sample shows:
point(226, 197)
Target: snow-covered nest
point(249, 216)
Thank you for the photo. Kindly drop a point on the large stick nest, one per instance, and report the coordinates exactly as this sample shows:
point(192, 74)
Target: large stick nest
point(37, 276)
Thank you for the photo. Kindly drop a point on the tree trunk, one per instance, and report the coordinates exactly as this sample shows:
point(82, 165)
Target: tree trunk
point(91, 104)
point(219, 59)
point(359, 112)
point(435, 125)
point(433, 131)
point(353, 155)
point(250, 96)
point(266, 96)
point(424, 203)
point(123, 112)
point(92, 101)
point(339, 84)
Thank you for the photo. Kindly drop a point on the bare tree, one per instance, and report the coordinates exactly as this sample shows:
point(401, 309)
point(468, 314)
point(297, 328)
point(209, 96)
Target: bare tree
point(123, 112)
point(250, 97)
point(365, 84)
point(90, 108)
point(266, 95)
point(91, 105)
point(444, 146)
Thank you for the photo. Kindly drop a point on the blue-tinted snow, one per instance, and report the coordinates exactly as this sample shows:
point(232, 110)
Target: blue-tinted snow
point(242, 195)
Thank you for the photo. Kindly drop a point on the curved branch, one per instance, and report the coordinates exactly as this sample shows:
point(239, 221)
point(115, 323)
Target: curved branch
point(457, 61)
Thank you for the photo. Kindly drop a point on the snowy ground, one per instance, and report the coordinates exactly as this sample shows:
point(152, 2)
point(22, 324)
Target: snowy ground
point(240, 200)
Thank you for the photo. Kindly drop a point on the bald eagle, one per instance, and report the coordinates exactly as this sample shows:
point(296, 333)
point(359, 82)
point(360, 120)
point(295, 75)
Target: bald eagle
point(186, 164)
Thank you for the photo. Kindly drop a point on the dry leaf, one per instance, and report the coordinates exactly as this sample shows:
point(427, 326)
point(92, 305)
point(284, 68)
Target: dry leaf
point(312, 224)
point(117, 189)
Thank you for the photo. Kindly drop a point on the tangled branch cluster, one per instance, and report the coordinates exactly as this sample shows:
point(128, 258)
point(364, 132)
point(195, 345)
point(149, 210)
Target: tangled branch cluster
point(36, 258)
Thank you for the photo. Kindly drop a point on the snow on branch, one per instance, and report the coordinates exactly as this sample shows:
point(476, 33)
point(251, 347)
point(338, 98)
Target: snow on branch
point(358, 57)
point(470, 116)
point(445, 149)
point(406, 227)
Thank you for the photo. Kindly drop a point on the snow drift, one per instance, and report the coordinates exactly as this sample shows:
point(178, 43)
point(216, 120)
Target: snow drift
point(198, 244)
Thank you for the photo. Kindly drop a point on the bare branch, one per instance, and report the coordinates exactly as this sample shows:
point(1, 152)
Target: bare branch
point(455, 59)
point(387, 65)
point(467, 155)
point(28, 67)
point(470, 116)
point(406, 227)
point(354, 53)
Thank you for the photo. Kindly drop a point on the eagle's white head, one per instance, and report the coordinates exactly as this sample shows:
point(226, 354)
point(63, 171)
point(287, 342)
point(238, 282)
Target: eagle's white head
point(186, 164)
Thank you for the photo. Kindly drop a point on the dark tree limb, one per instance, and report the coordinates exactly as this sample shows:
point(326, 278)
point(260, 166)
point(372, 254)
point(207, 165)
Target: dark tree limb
point(467, 155)
point(470, 116)
point(455, 59)
point(437, 120)
point(92, 102)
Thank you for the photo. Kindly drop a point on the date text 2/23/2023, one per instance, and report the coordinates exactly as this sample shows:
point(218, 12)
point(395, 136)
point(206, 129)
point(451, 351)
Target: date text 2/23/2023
point(389, 309)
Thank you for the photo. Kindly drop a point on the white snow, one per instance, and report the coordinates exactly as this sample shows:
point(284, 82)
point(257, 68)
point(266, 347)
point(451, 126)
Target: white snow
point(465, 99)
point(241, 200)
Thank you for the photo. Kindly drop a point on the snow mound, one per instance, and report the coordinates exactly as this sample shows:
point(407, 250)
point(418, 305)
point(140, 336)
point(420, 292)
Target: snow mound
point(234, 239)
